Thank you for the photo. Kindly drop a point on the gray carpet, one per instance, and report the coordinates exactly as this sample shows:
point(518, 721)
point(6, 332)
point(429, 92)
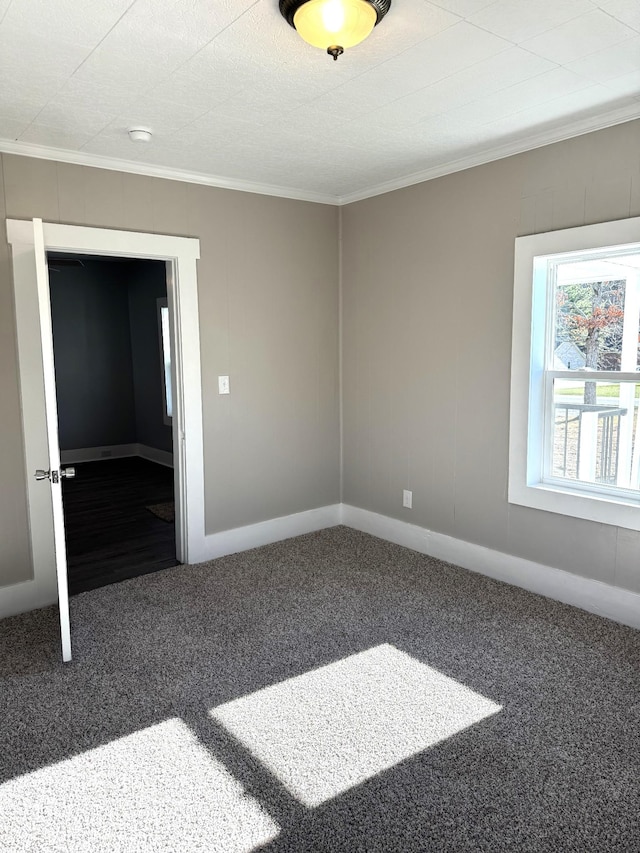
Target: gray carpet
point(328, 693)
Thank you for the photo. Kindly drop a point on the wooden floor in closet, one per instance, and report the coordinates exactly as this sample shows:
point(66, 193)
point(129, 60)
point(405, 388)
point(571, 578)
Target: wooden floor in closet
point(111, 535)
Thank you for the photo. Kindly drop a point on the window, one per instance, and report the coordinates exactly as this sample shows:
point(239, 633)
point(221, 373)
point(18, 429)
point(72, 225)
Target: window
point(165, 356)
point(575, 384)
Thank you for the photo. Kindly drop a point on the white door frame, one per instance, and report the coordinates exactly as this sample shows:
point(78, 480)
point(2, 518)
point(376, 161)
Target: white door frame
point(180, 255)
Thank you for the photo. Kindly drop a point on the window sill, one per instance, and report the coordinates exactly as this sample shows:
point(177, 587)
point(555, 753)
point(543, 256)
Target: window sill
point(577, 503)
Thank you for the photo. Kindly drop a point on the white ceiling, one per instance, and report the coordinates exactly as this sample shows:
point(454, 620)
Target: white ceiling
point(236, 98)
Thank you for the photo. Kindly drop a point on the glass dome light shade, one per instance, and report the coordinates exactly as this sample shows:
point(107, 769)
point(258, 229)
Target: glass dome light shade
point(324, 23)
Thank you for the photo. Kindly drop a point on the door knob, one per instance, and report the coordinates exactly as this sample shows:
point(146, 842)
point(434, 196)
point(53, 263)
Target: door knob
point(54, 476)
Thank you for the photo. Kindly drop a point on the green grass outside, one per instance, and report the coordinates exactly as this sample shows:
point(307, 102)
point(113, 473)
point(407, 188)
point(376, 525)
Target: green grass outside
point(602, 391)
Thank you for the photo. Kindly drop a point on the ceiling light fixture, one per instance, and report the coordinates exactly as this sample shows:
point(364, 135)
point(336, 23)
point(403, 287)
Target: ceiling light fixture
point(334, 25)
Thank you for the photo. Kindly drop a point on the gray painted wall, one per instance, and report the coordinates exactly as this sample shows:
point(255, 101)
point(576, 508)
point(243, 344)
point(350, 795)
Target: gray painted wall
point(92, 348)
point(14, 545)
point(427, 280)
point(147, 283)
point(268, 299)
point(427, 284)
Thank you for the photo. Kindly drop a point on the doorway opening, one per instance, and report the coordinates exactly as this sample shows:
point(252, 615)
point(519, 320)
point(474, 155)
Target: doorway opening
point(112, 357)
point(30, 241)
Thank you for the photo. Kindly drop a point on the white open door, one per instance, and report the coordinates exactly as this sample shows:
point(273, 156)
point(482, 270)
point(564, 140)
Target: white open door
point(40, 427)
point(51, 476)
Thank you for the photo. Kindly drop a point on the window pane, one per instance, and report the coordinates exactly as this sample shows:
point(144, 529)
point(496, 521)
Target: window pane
point(166, 353)
point(595, 432)
point(596, 314)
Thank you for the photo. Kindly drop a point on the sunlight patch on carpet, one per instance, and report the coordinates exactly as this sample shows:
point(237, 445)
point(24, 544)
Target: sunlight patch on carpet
point(332, 728)
point(157, 789)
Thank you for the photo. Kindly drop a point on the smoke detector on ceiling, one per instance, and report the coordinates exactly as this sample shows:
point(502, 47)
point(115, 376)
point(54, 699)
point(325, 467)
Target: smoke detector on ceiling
point(140, 134)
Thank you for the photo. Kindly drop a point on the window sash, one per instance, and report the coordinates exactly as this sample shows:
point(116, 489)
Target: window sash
point(548, 433)
point(594, 375)
point(614, 493)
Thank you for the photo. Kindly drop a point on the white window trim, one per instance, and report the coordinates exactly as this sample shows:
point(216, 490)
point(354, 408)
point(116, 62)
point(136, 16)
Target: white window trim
point(527, 403)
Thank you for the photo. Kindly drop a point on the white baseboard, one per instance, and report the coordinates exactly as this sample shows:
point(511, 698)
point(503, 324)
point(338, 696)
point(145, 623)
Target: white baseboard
point(266, 532)
point(596, 597)
point(97, 454)
point(600, 598)
point(162, 457)
point(116, 451)
point(27, 595)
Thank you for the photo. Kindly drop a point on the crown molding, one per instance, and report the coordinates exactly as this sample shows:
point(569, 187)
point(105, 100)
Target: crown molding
point(630, 112)
point(98, 161)
point(499, 152)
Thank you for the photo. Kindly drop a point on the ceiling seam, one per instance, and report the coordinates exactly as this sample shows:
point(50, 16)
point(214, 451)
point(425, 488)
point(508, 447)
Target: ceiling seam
point(6, 11)
point(78, 67)
point(211, 40)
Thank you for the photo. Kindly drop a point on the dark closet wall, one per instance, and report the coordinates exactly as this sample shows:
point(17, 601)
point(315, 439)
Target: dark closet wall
point(92, 347)
point(107, 352)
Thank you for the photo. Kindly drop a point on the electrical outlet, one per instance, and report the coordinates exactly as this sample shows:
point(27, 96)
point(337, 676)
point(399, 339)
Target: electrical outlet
point(407, 499)
point(223, 384)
